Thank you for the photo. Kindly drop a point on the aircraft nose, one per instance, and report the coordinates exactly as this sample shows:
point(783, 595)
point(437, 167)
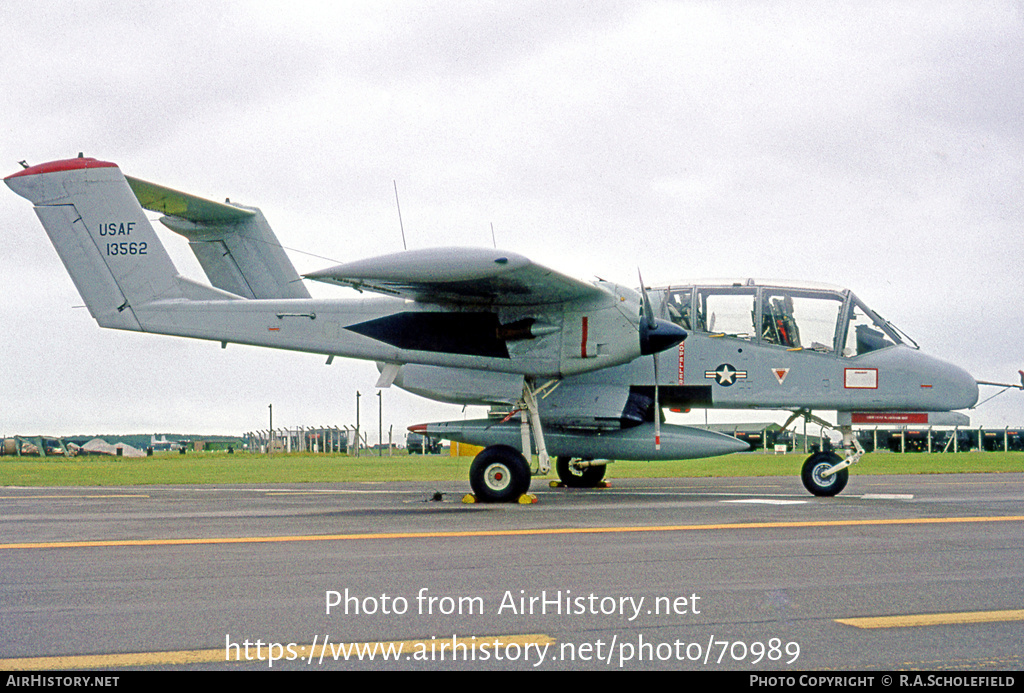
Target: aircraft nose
point(959, 388)
point(966, 388)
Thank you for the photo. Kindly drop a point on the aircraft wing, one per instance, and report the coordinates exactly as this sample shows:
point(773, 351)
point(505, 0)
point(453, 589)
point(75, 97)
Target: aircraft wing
point(461, 276)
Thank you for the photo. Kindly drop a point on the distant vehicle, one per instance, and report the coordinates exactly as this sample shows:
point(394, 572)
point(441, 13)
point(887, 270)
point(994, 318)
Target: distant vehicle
point(416, 444)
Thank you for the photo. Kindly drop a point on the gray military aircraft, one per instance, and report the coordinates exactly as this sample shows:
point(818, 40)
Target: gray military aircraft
point(588, 366)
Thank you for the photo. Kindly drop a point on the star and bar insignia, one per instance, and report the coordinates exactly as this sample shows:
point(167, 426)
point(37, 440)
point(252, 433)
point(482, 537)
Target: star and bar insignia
point(725, 375)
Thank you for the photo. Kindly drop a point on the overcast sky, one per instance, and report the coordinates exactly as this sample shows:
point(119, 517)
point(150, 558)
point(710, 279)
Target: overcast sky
point(873, 145)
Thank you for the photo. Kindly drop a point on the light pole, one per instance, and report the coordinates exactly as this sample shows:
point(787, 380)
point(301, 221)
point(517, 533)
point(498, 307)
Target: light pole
point(380, 423)
point(357, 422)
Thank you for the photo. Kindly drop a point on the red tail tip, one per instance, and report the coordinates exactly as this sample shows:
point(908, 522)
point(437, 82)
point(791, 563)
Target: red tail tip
point(63, 165)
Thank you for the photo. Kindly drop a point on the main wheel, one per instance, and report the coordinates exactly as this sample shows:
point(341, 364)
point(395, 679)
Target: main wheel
point(818, 484)
point(499, 474)
point(579, 477)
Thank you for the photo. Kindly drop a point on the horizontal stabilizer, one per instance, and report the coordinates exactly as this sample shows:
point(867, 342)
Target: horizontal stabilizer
point(235, 245)
point(158, 198)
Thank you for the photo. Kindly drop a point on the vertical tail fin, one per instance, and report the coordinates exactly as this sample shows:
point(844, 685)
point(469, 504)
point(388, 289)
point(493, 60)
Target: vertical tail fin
point(104, 239)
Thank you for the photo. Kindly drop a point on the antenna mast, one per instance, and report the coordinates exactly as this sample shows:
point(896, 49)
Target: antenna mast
point(399, 207)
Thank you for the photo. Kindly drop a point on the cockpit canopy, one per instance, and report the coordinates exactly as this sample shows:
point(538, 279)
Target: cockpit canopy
point(822, 319)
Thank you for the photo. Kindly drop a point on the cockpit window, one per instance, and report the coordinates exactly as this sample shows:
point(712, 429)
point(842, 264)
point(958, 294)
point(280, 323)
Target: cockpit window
point(867, 333)
point(800, 320)
point(727, 311)
point(826, 320)
point(678, 307)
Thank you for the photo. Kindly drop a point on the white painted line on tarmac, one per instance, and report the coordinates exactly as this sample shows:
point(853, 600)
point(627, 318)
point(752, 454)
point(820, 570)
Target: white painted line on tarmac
point(767, 501)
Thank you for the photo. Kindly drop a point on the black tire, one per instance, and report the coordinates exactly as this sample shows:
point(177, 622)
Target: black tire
point(573, 477)
point(499, 474)
point(815, 483)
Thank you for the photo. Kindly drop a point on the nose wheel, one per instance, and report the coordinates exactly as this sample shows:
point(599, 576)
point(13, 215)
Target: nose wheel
point(826, 473)
point(815, 478)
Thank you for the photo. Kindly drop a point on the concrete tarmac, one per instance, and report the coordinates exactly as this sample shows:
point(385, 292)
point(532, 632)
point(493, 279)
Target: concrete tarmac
point(749, 574)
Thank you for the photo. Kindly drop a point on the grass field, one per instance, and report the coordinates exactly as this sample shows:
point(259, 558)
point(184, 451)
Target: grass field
point(242, 468)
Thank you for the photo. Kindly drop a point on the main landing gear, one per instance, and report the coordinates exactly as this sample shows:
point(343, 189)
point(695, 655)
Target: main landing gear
point(500, 473)
point(577, 473)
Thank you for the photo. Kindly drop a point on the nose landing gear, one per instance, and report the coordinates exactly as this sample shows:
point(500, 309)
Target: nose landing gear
point(818, 475)
point(825, 473)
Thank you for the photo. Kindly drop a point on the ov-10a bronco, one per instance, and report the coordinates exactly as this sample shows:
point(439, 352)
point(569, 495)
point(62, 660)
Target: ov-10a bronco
point(587, 365)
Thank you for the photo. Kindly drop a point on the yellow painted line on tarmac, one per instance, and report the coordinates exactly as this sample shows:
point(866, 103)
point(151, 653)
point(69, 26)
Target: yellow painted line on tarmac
point(503, 532)
point(446, 648)
point(934, 619)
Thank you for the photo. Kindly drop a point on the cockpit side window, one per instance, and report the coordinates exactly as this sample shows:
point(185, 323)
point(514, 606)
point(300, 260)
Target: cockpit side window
point(777, 323)
point(727, 311)
point(800, 319)
point(865, 334)
point(679, 307)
